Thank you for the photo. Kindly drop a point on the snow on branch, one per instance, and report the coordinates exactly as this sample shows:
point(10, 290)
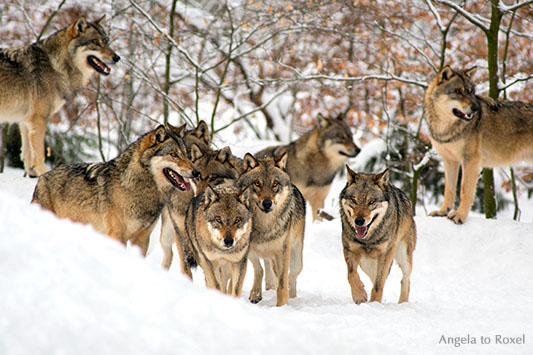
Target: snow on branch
point(515, 82)
point(467, 15)
point(511, 8)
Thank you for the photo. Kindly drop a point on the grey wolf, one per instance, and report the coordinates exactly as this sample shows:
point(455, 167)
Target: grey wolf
point(36, 80)
point(314, 159)
point(173, 214)
point(473, 132)
point(218, 225)
point(278, 224)
point(217, 168)
point(122, 197)
point(377, 228)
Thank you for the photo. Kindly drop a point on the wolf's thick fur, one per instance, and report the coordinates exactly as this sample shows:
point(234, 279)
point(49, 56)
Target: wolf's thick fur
point(377, 228)
point(36, 80)
point(278, 224)
point(473, 132)
point(173, 214)
point(217, 168)
point(218, 225)
point(122, 197)
point(314, 159)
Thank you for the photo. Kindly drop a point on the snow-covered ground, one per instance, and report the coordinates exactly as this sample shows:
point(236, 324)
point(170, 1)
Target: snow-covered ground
point(64, 289)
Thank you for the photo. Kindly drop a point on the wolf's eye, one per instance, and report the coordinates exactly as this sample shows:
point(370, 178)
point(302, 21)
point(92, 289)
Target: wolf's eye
point(237, 220)
point(173, 154)
point(218, 219)
point(371, 202)
point(459, 91)
point(275, 184)
point(257, 183)
point(96, 42)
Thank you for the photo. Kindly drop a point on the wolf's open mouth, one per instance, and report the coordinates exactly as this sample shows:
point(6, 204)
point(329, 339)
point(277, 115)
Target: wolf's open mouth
point(462, 115)
point(361, 231)
point(98, 65)
point(349, 155)
point(176, 179)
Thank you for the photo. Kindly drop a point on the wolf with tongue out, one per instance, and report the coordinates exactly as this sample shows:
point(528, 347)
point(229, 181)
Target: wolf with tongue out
point(377, 228)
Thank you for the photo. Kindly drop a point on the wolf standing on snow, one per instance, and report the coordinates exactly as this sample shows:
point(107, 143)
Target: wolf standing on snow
point(123, 197)
point(473, 132)
point(36, 80)
point(377, 228)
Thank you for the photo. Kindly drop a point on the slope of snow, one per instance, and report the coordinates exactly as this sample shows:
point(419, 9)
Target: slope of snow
point(65, 289)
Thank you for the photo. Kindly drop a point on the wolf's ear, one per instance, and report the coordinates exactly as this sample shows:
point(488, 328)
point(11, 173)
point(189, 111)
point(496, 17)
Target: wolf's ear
point(244, 197)
point(281, 161)
point(100, 21)
point(196, 153)
point(210, 195)
point(160, 134)
point(178, 131)
point(352, 175)
point(249, 162)
point(383, 178)
point(471, 71)
point(202, 131)
point(322, 121)
point(80, 25)
point(224, 154)
point(445, 74)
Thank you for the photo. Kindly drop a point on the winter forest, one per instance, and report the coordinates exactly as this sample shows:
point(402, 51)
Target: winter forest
point(261, 72)
point(265, 70)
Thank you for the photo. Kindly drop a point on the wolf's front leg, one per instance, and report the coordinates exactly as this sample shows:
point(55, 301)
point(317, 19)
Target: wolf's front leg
point(238, 271)
point(283, 262)
point(451, 171)
point(384, 265)
point(358, 289)
point(256, 294)
point(471, 169)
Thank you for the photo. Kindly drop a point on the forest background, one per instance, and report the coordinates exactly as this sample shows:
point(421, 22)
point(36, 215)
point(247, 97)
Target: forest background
point(265, 70)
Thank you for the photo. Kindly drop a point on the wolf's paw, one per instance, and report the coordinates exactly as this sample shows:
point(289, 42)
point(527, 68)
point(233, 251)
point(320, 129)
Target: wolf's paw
point(255, 297)
point(359, 298)
point(439, 213)
point(457, 218)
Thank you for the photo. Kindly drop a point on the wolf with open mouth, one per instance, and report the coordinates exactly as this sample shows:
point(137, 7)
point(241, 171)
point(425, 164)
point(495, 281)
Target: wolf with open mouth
point(36, 80)
point(377, 228)
point(123, 197)
point(473, 132)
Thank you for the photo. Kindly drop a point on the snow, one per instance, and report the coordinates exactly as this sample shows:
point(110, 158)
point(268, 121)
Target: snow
point(65, 289)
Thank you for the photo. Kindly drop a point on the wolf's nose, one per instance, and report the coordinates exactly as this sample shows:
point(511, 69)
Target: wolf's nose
point(228, 242)
point(267, 204)
point(195, 173)
point(359, 221)
point(116, 58)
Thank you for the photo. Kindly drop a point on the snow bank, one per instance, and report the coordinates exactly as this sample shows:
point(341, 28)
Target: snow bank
point(65, 289)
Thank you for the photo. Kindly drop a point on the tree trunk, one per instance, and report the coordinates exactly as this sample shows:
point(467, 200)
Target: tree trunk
point(492, 58)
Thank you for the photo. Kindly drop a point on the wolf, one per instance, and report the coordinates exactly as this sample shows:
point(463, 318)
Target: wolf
point(36, 80)
point(314, 159)
point(123, 197)
point(173, 214)
point(218, 225)
point(377, 227)
point(278, 224)
point(217, 168)
point(472, 131)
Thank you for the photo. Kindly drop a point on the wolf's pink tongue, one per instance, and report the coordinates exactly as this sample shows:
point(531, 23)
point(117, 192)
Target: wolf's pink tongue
point(360, 231)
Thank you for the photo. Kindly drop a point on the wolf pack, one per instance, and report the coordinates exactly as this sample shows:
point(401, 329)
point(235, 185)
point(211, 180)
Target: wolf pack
point(221, 211)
